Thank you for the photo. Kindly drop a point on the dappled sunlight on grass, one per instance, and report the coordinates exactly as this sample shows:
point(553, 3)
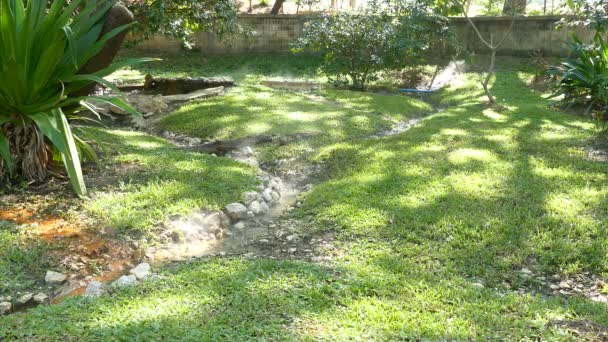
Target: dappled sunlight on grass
point(433, 225)
point(254, 110)
point(163, 181)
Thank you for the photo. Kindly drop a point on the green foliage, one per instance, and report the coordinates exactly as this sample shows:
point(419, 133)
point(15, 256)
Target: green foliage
point(583, 78)
point(42, 52)
point(182, 18)
point(356, 46)
point(588, 13)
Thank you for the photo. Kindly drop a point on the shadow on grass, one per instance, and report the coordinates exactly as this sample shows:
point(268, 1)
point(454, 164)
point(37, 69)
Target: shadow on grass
point(492, 191)
point(468, 195)
point(152, 180)
point(256, 110)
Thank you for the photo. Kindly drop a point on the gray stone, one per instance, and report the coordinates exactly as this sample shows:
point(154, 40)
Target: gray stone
point(24, 300)
point(225, 219)
point(41, 298)
point(5, 308)
point(126, 280)
point(141, 271)
point(247, 150)
point(53, 277)
point(250, 214)
point(94, 289)
point(251, 196)
point(274, 185)
point(275, 196)
point(239, 225)
point(255, 207)
point(265, 207)
point(267, 195)
point(214, 219)
point(236, 211)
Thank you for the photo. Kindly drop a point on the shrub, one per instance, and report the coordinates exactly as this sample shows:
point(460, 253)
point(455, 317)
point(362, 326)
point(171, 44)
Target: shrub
point(42, 51)
point(356, 46)
point(583, 79)
point(182, 18)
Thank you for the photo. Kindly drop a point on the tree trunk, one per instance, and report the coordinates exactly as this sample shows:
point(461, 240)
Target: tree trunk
point(277, 6)
point(30, 154)
point(117, 16)
point(514, 7)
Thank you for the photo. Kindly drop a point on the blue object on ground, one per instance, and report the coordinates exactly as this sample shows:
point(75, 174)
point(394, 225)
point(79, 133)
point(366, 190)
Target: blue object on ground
point(406, 90)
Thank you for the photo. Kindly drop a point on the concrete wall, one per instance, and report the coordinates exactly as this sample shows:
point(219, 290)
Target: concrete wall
point(274, 33)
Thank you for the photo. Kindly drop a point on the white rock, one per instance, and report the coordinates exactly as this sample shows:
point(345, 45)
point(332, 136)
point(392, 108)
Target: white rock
point(247, 150)
point(265, 207)
point(94, 289)
point(41, 298)
point(25, 299)
point(267, 195)
point(141, 271)
point(239, 225)
point(5, 308)
point(274, 185)
point(236, 211)
point(214, 219)
point(53, 277)
point(275, 196)
point(255, 207)
point(126, 280)
point(251, 196)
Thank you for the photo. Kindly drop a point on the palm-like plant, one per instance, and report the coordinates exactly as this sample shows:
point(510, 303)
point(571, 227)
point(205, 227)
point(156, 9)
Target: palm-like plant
point(583, 79)
point(42, 49)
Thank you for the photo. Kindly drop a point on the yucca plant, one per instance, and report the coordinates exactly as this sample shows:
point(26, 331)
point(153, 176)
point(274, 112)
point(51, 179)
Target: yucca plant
point(583, 78)
point(43, 45)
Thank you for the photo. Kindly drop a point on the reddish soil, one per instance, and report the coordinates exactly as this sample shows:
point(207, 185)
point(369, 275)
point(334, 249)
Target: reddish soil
point(80, 251)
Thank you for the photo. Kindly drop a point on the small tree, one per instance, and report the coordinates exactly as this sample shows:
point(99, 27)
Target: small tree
point(493, 45)
point(356, 46)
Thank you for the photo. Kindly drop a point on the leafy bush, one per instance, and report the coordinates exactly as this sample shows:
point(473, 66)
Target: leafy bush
point(42, 51)
point(356, 46)
point(583, 79)
point(181, 18)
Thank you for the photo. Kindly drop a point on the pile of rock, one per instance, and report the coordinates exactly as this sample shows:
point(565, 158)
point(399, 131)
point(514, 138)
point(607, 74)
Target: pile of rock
point(136, 274)
point(26, 300)
point(208, 226)
point(256, 203)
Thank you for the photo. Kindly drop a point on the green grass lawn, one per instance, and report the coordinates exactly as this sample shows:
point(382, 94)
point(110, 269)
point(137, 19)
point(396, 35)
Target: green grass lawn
point(469, 196)
point(152, 180)
point(255, 110)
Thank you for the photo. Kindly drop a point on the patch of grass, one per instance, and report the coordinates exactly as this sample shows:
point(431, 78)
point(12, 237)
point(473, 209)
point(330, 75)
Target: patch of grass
point(23, 259)
point(152, 180)
point(379, 292)
point(486, 192)
point(255, 110)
